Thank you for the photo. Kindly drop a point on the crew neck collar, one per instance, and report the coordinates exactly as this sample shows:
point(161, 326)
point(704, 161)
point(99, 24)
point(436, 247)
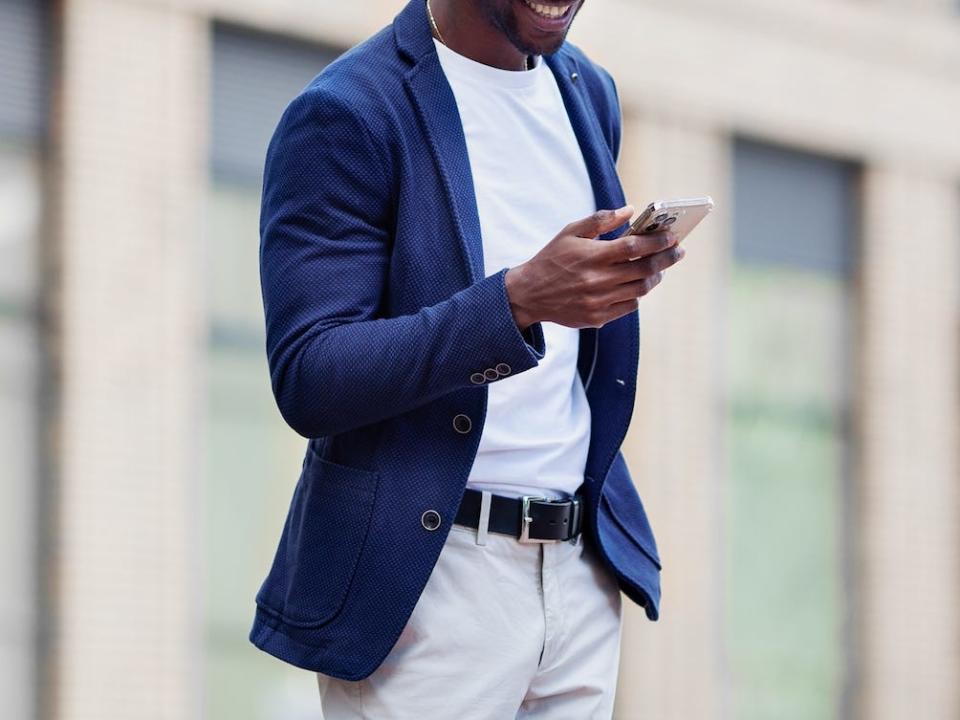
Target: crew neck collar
point(489, 74)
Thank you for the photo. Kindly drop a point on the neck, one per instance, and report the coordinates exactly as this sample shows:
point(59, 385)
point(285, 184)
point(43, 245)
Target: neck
point(466, 31)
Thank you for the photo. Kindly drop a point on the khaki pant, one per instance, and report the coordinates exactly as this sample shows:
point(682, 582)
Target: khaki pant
point(502, 630)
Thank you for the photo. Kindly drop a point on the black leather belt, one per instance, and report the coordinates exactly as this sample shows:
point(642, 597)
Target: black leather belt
point(529, 518)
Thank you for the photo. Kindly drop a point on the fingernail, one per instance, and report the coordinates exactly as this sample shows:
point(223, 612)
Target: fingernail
point(681, 251)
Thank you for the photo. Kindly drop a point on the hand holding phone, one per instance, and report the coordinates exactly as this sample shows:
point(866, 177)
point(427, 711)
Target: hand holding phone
point(578, 282)
point(678, 217)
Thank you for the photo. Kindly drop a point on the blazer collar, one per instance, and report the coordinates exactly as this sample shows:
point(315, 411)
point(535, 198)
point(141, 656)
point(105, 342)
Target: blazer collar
point(411, 27)
point(437, 109)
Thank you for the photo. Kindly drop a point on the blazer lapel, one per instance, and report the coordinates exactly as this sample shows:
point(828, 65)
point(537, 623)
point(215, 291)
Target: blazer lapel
point(438, 112)
point(601, 167)
point(607, 191)
point(437, 108)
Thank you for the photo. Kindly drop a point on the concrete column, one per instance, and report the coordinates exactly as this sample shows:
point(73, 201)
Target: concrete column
point(133, 124)
point(672, 668)
point(910, 417)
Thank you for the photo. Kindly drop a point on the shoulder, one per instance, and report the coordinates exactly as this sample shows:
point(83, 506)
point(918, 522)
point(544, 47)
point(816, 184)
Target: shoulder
point(359, 86)
point(369, 72)
point(348, 105)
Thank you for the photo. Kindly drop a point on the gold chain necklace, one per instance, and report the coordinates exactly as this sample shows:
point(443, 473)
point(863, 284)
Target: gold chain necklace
point(433, 22)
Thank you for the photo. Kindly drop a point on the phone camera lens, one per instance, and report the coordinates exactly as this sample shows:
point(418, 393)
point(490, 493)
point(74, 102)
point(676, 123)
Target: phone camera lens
point(661, 217)
point(669, 221)
point(651, 227)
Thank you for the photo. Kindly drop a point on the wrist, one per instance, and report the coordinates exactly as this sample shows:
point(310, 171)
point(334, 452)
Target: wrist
point(516, 294)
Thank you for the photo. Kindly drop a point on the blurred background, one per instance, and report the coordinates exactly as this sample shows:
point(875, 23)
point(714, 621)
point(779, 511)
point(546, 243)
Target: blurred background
point(796, 437)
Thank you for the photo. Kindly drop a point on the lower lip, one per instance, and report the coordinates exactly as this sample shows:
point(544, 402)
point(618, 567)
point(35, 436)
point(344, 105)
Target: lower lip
point(549, 24)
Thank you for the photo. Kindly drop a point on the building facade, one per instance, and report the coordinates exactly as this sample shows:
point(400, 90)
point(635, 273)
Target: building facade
point(796, 438)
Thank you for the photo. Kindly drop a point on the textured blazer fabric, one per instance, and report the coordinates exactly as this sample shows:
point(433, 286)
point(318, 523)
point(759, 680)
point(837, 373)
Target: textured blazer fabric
point(378, 315)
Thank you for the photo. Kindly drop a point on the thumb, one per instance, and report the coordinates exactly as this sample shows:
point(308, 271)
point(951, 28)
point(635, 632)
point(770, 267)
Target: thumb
point(599, 222)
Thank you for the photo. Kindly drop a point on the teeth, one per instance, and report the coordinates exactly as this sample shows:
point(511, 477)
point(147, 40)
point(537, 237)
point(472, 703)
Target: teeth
point(548, 11)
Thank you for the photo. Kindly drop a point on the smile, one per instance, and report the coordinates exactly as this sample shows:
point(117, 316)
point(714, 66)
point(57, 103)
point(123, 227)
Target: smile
point(552, 12)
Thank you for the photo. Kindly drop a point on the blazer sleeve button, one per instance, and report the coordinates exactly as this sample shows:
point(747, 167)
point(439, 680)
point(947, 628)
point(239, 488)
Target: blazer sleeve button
point(462, 424)
point(491, 374)
point(478, 379)
point(503, 369)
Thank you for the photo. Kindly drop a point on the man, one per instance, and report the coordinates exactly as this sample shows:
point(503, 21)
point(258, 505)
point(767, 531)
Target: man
point(451, 319)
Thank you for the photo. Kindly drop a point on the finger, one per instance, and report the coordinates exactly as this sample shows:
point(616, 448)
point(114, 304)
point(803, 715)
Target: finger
point(599, 222)
point(630, 272)
point(662, 260)
point(635, 289)
point(655, 263)
point(625, 307)
point(632, 247)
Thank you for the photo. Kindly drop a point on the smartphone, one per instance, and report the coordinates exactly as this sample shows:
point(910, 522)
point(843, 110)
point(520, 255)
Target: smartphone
point(678, 216)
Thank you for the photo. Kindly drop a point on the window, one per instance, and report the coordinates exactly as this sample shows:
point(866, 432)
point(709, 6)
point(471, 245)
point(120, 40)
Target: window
point(788, 411)
point(22, 125)
point(252, 458)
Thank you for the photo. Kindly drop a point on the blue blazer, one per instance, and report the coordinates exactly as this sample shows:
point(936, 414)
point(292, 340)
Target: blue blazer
point(378, 315)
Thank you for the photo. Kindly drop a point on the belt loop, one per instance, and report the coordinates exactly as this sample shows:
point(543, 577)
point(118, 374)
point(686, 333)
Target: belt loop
point(484, 522)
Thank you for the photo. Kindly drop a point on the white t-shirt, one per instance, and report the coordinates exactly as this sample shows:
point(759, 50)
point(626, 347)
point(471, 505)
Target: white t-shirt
point(530, 180)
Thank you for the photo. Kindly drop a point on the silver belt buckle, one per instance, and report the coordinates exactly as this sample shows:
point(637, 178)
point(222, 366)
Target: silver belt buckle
point(525, 526)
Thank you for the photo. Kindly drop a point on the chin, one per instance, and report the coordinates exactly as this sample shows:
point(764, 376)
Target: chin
point(533, 34)
point(538, 46)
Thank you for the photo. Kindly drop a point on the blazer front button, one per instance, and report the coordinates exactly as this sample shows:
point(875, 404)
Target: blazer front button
point(503, 368)
point(478, 379)
point(430, 520)
point(491, 374)
point(462, 424)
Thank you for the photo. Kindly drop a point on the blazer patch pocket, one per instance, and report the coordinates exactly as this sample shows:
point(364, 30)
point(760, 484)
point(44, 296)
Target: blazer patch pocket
point(325, 533)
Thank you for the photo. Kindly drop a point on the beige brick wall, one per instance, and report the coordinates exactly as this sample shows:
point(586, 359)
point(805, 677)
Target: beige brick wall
point(133, 116)
point(910, 419)
point(880, 81)
point(672, 448)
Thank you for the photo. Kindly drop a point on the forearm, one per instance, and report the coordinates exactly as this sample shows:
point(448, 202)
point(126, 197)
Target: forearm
point(332, 378)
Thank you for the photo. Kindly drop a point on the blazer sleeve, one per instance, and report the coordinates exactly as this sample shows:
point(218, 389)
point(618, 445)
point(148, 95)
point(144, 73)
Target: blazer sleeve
point(325, 241)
